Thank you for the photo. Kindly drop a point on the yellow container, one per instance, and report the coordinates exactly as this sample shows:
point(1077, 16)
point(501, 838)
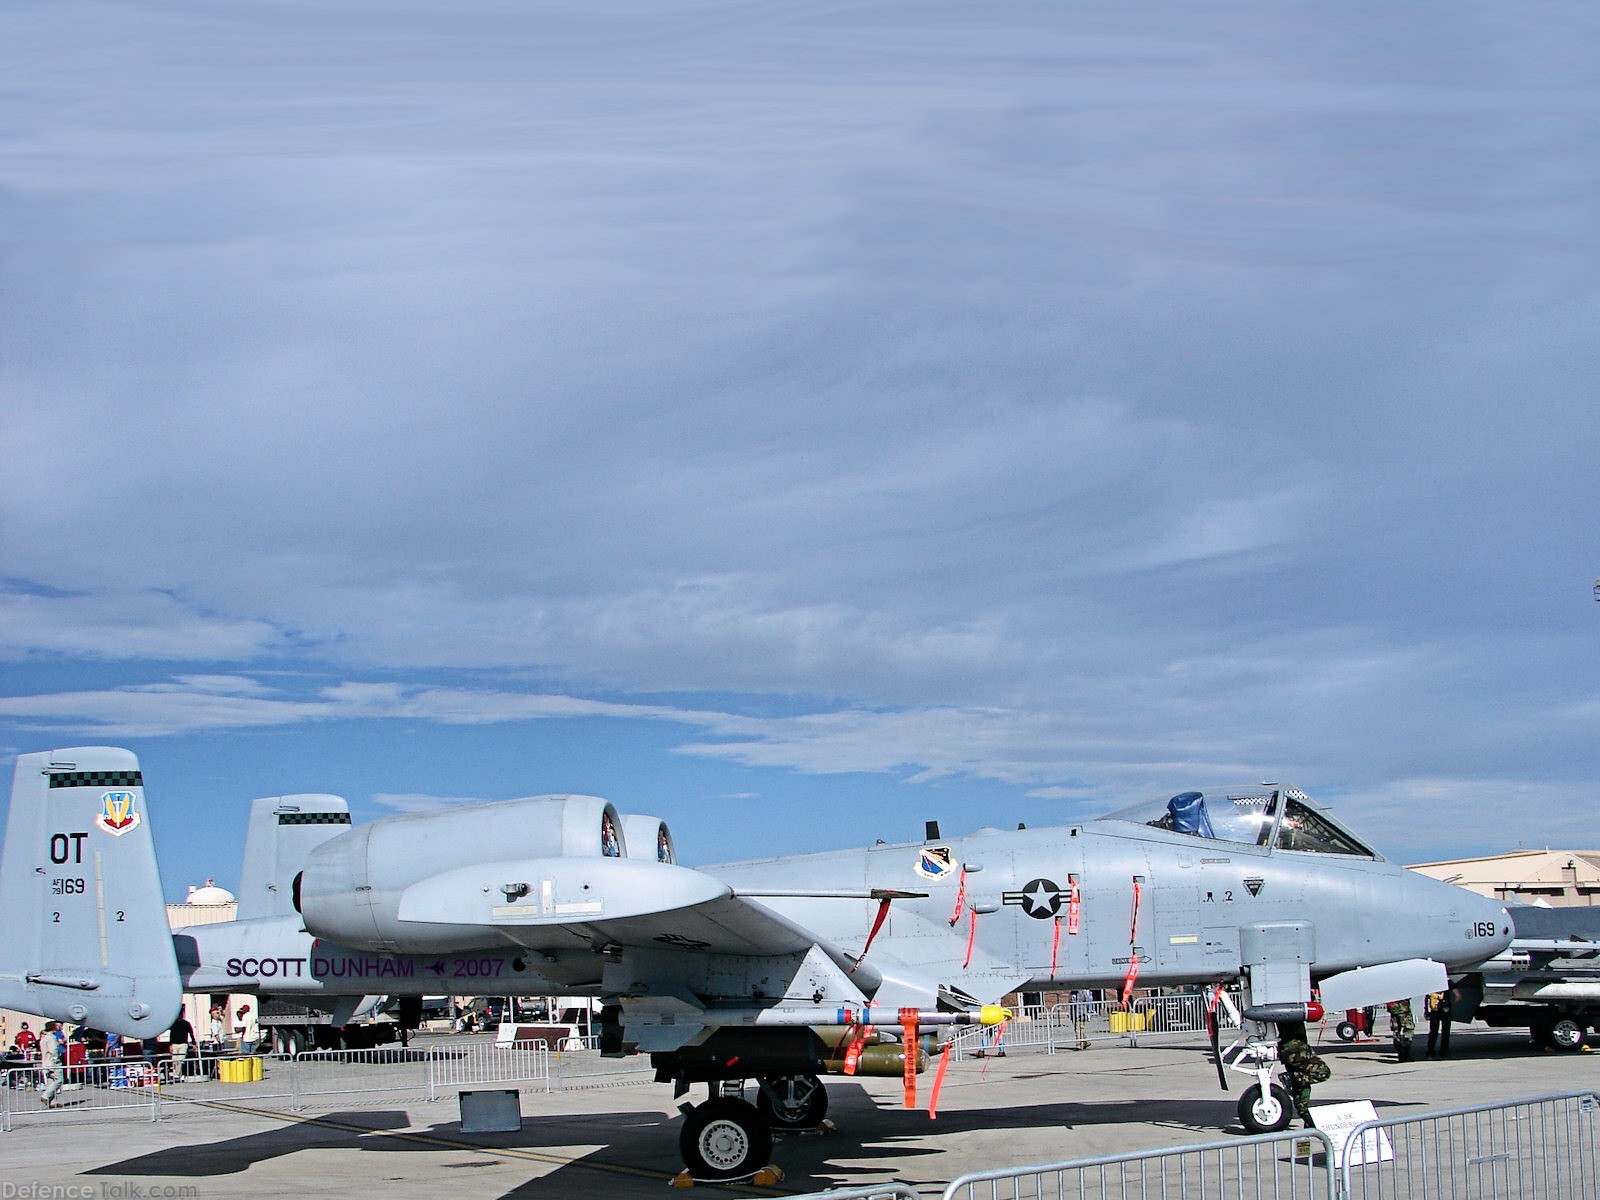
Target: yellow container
point(1128, 1022)
point(239, 1070)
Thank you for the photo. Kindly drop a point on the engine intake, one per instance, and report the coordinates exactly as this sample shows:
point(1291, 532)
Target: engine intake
point(648, 838)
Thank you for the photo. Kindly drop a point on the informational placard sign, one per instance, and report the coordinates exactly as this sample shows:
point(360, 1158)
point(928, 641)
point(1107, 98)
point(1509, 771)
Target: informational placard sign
point(1338, 1121)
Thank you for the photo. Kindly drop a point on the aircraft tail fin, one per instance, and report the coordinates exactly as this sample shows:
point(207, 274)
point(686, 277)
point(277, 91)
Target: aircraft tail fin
point(85, 936)
point(283, 832)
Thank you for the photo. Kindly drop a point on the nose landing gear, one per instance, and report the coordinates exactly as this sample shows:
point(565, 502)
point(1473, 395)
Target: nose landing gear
point(1266, 1110)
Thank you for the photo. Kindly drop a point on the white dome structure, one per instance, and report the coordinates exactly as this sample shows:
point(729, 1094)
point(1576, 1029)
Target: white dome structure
point(209, 894)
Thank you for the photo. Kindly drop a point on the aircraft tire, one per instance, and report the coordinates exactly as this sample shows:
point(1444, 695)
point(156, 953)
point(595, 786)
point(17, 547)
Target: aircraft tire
point(725, 1138)
point(1566, 1034)
point(1267, 1113)
point(1346, 1031)
point(802, 1101)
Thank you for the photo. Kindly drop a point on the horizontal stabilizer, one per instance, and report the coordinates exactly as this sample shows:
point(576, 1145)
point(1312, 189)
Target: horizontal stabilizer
point(1366, 986)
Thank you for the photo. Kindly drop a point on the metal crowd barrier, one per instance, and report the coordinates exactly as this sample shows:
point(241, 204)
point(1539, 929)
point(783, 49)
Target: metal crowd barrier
point(81, 1091)
point(390, 1070)
point(1282, 1166)
point(511, 1062)
point(1057, 1026)
point(1541, 1148)
point(1046, 1027)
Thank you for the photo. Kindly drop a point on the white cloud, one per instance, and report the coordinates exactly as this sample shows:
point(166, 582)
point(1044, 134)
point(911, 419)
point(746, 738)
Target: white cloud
point(1086, 393)
point(126, 624)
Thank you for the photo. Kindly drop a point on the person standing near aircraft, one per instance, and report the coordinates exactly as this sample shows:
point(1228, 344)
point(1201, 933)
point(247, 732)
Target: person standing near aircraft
point(1082, 1010)
point(245, 1029)
point(1302, 1067)
point(52, 1053)
point(27, 1040)
point(1402, 1026)
point(1439, 1019)
point(181, 1044)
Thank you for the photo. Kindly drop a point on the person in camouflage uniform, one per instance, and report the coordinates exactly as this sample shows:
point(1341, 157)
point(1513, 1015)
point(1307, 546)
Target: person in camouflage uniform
point(1402, 1024)
point(1302, 1066)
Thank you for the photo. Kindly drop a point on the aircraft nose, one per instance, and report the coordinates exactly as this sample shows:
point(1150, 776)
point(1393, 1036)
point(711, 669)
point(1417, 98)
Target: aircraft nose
point(1489, 929)
point(1492, 912)
point(1469, 928)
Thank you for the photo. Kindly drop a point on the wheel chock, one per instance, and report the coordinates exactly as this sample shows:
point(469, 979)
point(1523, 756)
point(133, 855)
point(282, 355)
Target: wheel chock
point(768, 1176)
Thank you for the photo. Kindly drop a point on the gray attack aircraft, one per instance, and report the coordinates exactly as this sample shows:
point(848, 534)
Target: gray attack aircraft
point(778, 971)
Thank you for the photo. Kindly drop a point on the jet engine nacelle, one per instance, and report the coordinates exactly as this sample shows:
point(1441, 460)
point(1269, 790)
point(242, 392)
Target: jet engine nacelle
point(647, 838)
point(350, 889)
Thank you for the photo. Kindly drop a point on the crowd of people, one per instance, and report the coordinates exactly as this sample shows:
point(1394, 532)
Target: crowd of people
point(56, 1049)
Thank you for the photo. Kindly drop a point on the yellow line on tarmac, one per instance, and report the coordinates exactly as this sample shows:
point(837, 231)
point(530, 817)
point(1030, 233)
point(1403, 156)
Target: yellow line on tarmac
point(430, 1139)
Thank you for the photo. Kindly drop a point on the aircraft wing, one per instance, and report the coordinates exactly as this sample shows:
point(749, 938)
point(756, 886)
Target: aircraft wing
point(678, 928)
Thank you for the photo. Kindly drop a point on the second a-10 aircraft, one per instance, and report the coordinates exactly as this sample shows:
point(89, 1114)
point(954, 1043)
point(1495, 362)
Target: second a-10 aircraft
point(780, 970)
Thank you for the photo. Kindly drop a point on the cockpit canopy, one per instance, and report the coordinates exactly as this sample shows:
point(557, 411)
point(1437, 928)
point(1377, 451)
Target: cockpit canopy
point(1278, 818)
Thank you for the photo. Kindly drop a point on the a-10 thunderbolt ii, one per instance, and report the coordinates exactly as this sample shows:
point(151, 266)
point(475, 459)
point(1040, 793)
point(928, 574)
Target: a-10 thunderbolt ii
point(779, 970)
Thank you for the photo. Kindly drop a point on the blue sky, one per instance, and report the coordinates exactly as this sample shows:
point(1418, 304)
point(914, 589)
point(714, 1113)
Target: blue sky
point(802, 421)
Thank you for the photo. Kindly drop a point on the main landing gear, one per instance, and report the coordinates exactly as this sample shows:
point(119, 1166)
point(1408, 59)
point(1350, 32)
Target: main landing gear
point(791, 1102)
point(1558, 1031)
point(727, 1137)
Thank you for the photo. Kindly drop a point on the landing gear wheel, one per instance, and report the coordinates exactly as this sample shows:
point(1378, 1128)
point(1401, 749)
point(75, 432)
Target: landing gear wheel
point(725, 1138)
point(1265, 1113)
point(792, 1101)
point(294, 1041)
point(1566, 1033)
point(1346, 1030)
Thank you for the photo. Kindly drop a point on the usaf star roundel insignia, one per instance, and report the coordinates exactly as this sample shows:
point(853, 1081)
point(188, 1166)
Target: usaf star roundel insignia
point(1039, 898)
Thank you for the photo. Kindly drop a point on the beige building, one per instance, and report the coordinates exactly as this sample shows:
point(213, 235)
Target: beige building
point(1549, 878)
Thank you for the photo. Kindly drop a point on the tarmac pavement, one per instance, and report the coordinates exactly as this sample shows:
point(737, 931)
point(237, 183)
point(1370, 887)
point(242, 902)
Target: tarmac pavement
point(620, 1142)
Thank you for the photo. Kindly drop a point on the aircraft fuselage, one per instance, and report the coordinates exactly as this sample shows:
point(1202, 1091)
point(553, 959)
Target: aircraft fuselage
point(1075, 905)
